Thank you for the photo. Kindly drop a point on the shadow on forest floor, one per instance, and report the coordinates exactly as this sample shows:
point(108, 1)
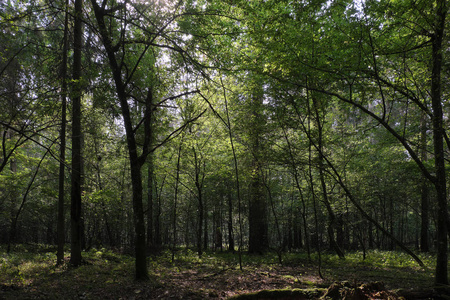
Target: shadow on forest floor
point(30, 274)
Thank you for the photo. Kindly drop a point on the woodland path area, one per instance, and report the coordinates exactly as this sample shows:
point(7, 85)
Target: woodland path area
point(107, 275)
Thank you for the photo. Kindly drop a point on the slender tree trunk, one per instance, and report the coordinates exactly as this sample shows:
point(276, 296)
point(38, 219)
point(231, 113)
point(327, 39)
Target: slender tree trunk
point(438, 139)
point(102, 201)
point(230, 223)
point(62, 150)
point(257, 213)
point(177, 181)
point(302, 199)
point(316, 222)
point(150, 200)
point(238, 189)
point(75, 211)
point(277, 224)
point(149, 130)
point(205, 225)
point(331, 217)
point(198, 185)
point(424, 228)
point(157, 223)
point(136, 162)
point(352, 199)
point(13, 231)
point(290, 225)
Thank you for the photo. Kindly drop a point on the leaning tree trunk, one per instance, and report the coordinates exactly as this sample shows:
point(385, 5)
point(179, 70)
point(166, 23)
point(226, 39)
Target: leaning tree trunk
point(331, 216)
point(136, 162)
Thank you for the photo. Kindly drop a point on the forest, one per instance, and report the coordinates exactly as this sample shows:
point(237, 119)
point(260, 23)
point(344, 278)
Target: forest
point(164, 145)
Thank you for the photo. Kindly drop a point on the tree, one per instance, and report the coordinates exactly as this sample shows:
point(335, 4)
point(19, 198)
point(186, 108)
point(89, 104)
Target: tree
point(131, 84)
point(75, 211)
point(62, 155)
point(257, 218)
point(440, 181)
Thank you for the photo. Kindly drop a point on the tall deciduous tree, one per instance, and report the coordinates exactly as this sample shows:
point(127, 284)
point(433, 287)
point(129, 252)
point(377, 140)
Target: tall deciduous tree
point(136, 161)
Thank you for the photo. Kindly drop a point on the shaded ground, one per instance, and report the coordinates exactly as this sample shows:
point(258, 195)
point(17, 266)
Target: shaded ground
point(32, 275)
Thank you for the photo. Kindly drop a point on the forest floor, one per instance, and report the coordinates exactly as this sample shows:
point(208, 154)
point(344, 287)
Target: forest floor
point(30, 273)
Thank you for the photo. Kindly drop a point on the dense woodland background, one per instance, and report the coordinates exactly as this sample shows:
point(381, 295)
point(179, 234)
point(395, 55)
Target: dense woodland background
point(252, 126)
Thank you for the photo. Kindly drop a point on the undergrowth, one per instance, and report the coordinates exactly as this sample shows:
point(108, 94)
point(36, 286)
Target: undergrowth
point(31, 270)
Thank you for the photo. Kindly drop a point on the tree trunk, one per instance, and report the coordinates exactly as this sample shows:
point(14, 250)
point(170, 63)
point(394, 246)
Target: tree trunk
point(75, 211)
point(205, 225)
point(257, 217)
point(177, 181)
point(302, 199)
point(149, 132)
point(198, 185)
point(438, 139)
point(136, 162)
point(138, 209)
point(12, 235)
point(230, 223)
point(150, 198)
point(331, 217)
point(62, 150)
point(157, 223)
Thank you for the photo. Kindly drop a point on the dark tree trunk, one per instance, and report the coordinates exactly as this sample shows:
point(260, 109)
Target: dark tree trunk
point(177, 181)
point(438, 139)
point(62, 151)
point(75, 210)
point(157, 223)
point(340, 231)
point(135, 161)
point(370, 235)
point(149, 130)
point(257, 219)
point(230, 223)
point(199, 186)
point(205, 224)
point(138, 209)
point(257, 215)
point(238, 190)
point(150, 198)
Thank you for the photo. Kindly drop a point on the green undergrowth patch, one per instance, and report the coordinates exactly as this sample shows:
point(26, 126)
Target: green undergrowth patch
point(396, 269)
point(29, 272)
point(34, 275)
